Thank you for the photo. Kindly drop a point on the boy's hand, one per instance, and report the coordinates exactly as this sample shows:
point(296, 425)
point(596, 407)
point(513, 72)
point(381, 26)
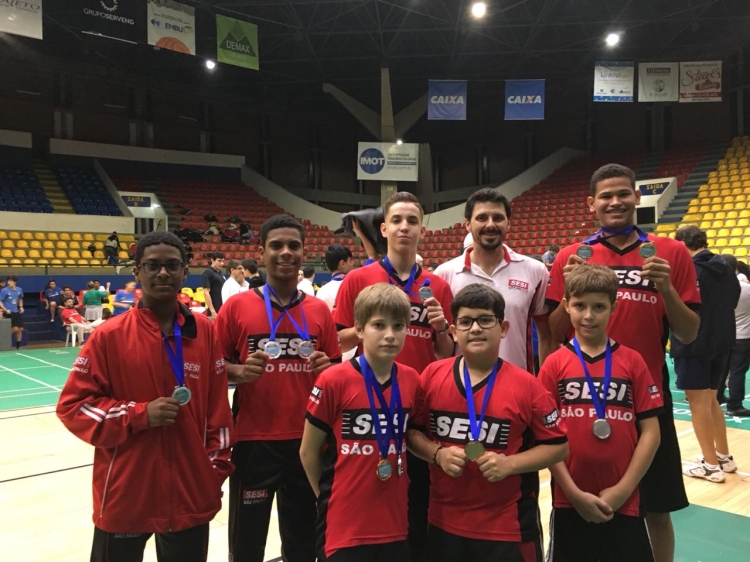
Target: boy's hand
point(452, 460)
point(254, 367)
point(592, 508)
point(494, 467)
point(435, 314)
point(162, 411)
point(615, 496)
point(319, 362)
point(573, 262)
point(657, 270)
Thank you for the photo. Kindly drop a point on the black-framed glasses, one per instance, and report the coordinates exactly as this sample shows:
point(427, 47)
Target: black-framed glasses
point(154, 267)
point(486, 321)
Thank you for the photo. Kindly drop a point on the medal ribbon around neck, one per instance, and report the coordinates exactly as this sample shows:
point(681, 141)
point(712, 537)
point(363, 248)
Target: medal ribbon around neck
point(394, 413)
point(176, 358)
point(338, 276)
point(611, 233)
point(303, 332)
point(391, 272)
point(600, 402)
point(475, 425)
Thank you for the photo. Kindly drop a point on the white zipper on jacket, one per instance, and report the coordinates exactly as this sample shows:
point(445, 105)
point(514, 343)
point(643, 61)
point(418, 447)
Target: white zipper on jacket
point(106, 483)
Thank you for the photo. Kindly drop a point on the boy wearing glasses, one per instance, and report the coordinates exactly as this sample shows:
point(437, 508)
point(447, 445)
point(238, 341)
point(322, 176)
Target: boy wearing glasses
point(491, 427)
point(156, 411)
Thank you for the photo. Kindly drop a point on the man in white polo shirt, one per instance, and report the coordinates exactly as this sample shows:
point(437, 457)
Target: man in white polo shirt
point(521, 280)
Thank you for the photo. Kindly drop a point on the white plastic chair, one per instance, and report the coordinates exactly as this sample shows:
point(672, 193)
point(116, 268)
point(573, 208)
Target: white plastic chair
point(70, 336)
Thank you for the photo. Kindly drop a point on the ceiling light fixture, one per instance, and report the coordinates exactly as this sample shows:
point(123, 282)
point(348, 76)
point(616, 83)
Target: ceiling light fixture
point(210, 64)
point(478, 9)
point(612, 39)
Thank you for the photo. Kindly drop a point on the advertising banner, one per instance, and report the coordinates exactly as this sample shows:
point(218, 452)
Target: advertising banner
point(171, 26)
point(387, 161)
point(21, 18)
point(116, 19)
point(524, 100)
point(658, 81)
point(700, 81)
point(137, 200)
point(236, 42)
point(446, 100)
point(613, 81)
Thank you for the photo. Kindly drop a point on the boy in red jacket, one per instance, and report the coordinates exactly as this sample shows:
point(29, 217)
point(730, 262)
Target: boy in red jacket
point(150, 393)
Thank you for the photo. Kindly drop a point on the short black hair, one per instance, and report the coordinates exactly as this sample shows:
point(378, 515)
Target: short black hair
point(335, 254)
point(159, 237)
point(477, 295)
point(692, 236)
point(65, 287)
point(611, 171)
point(486, 195)
point(731, 261)
point(250, 265)
point(280, 221)
point(216, 256)
point(308, 271)
point(12, 278)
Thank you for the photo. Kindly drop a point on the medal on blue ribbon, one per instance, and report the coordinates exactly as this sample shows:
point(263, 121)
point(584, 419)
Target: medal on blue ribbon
point(601, 428)
point(425, 292)
point(474, 448)
point(394, 419)
point(409, 282)
point(306, 348)
point(585, 250)
point(181, 392)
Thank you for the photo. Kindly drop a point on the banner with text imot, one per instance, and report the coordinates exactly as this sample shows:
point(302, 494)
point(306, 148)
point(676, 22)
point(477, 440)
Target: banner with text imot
point(524, 100)
point(237, 42)
point(387, 161)
point(446, 100)
point(171, 26)
point(21, 18)
point(700, 81)
point(613, 81)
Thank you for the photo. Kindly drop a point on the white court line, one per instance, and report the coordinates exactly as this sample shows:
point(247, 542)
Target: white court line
point(29, 394)
point(45, 362)
point(18, 390)
point(31, 378)
point(36, 367)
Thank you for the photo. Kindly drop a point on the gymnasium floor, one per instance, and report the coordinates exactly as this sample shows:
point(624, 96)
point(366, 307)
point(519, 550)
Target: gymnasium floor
point(45, 478)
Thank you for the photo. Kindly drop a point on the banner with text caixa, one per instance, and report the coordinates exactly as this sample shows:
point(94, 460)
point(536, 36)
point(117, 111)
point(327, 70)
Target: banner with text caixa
point(524, 100)
point(446, 100)
point(387, 161)
point(21, 17)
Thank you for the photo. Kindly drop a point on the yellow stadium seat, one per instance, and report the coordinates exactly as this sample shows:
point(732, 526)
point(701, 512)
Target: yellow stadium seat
point(5, 253)
point(69, 262)
point(715, 208)
point(708, 216)
point(102, 237)
point(15, 262)
point(88, 237)
point(720, 243)
point(736, 231)
point(732, 215)
point(22, 243)
point(99, 254)
point(9, 244)
point(61, 244)
point(76, 236)
point(705, 224)
point(61, 254)
point(727, 207)
point(20, 254)
point(34, 254)
point(35, 244)
point(123, 255)
point(47, 254)
point(42, 261)
point(661, 227)
point(55, 262)
point(723, 233)
point(74, 254)
point(13, 235)
point(188, 291)
point(3, 235)
point(743, 222)
point(64, 236)
point(83, 262)
point(40, 235)
point(735, 242)
point(730, 223)
point(711, 233)
point(48, 244)
point(198, 295)
point(74, 244)
point(27, 236)
point(3, 262)
point(740, 253)
point(704, 209)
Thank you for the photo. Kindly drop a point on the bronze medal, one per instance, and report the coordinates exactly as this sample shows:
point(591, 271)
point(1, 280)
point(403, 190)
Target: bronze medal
point(474, 450)
point(585, 252)
point(384, 470)
point(647, 250)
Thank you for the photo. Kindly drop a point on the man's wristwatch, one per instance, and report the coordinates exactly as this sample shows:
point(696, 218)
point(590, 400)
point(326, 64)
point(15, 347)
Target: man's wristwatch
point(445, 329)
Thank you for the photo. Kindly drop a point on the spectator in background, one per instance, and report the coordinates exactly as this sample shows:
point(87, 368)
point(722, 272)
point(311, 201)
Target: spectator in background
point(92, 300)
point(72, 319)
point(67, 293)
point(124, 300)
point(702, 365)
point(213, 281)
point(91, 248)
point(306, 284)
point(420, 261)
point(254, 277)
point(49, 296)
point(548, 258)
point(743, 272)
point(739, 358)
point(235, 283)
point(111, 248)
point(11, 305)
point(188, 249)
point(106, 315)
point(246, 233)
point(213, 224)
point(339, 262)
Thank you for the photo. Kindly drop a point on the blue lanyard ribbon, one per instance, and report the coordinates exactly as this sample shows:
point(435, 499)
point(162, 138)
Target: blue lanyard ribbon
point(392, 273)
point(303, 333)
point(475, 425)
point(600, 402)
point(338, 276)
point(611, 233)
point(394, 413)
point(175, 357)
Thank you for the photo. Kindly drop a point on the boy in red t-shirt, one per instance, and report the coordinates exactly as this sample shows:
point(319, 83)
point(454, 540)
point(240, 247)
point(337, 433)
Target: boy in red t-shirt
point(72, 318)
point(610, 404)
point(486, 446)
point(357, 468)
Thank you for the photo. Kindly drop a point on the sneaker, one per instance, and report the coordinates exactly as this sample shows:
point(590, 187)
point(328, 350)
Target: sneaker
point(705, 472)
point(740, 412)
point(726, 463)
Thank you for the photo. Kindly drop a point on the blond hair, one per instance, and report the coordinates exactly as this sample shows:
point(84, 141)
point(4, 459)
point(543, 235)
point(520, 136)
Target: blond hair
point(382, 298)
point(591, 278)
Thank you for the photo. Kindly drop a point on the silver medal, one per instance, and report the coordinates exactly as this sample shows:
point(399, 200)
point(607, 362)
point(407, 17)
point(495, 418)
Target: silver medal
point(585, 252)
point(602, 429)
point(182, 394)
point(273, 349)
point(425, 293)
point(306, 349)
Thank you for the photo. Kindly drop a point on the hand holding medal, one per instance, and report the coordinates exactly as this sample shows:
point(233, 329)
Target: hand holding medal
point(162, 411)
point(452, 460)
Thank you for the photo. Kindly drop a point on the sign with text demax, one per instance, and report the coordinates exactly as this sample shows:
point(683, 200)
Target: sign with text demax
point(387, 161)
point(136, 201)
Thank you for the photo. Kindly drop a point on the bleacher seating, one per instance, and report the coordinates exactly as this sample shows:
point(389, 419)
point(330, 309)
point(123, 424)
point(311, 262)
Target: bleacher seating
point(722, 207)
point(86, 192)
point(20, 191)
point(56, 249)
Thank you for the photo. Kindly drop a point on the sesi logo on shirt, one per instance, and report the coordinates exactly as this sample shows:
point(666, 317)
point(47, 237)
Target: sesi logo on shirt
point(357, 424)
point(576, 391)
point(518, 285)
point(453, 427)
point(289, 344)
